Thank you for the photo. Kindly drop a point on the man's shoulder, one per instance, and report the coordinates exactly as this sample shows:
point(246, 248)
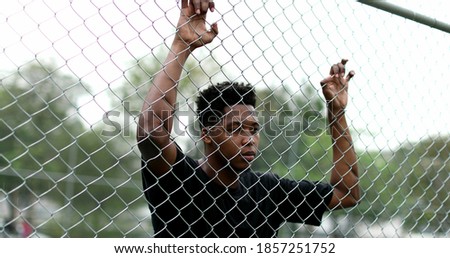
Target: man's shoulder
point(184, 164)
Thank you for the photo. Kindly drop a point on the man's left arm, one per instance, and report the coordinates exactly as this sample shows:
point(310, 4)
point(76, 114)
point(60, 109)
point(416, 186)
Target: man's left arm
point(344, 175)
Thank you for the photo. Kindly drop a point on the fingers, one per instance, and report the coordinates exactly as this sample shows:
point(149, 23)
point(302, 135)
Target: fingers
point(339, 69)
point(202, 6)
point(337, 80)
point(197, 6)
point(184, 4)
point(334, 70)
point(330, 79)
point(186, 8)
point(212, 6)
point(342, 70)
point(210, 35)
point(350, 75)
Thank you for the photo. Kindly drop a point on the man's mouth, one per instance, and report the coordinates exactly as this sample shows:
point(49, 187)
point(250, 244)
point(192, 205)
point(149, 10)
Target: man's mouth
point(249, 155)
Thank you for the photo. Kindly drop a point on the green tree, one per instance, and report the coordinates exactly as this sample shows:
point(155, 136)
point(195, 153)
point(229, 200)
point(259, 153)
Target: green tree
point(49, 157)
point(409, 183)
point(294, 137)
point(423, 180)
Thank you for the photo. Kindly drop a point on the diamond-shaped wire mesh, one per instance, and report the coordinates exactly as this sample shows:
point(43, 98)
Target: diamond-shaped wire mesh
point(74, 75)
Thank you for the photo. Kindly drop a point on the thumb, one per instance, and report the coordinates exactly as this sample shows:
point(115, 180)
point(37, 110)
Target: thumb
point(211, 34)
point(215, 29)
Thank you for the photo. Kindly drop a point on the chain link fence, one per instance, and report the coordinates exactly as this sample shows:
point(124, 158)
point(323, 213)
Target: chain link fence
point(74, 75)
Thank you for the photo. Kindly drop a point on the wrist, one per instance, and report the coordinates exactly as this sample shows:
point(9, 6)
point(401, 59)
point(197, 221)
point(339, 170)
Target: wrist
point(336, 112)
point(180, 49)
point(336, 117)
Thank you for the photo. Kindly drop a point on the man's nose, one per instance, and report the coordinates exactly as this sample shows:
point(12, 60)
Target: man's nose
point(248, 138)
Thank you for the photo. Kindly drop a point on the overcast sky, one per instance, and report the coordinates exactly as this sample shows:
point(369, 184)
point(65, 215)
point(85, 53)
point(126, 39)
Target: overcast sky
point(400, 91)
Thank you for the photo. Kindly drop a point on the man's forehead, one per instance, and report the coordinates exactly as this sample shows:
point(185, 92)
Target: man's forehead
point(241, 111)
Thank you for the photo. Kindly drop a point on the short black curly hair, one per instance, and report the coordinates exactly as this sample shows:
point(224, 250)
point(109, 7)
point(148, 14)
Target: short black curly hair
point(212, 101)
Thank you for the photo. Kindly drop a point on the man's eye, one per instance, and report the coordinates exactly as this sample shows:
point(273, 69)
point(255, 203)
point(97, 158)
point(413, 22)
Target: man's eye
point(236, 129)
point(241, 130)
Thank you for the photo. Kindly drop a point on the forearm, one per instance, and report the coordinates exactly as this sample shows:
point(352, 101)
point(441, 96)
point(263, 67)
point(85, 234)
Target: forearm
point(157, 110)
point(344, 175)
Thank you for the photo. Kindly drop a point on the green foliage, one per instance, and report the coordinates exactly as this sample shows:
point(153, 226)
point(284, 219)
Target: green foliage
point(294, 139)
point(48, 156)
point(424, 180)
point(37, 105)
point(410, 183)
point(71, 180)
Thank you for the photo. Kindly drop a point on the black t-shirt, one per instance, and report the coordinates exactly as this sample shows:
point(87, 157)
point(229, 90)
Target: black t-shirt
point(185, 202)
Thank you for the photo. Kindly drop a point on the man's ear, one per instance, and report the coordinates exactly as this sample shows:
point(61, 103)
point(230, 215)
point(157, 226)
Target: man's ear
point(206, 138)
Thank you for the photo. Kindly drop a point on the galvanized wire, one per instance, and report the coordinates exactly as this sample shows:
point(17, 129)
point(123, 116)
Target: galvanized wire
point(74, 75)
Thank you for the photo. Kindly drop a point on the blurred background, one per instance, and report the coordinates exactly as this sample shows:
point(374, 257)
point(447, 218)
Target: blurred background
point(73, 75)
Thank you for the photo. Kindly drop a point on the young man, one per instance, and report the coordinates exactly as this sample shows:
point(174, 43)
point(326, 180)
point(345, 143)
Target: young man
point(219, 195)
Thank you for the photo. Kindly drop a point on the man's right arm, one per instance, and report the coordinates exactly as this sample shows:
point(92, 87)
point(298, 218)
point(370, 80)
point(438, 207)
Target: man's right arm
point(156, 118)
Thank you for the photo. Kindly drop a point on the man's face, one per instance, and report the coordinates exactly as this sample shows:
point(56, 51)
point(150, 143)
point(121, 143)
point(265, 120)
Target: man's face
point(236, 137)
